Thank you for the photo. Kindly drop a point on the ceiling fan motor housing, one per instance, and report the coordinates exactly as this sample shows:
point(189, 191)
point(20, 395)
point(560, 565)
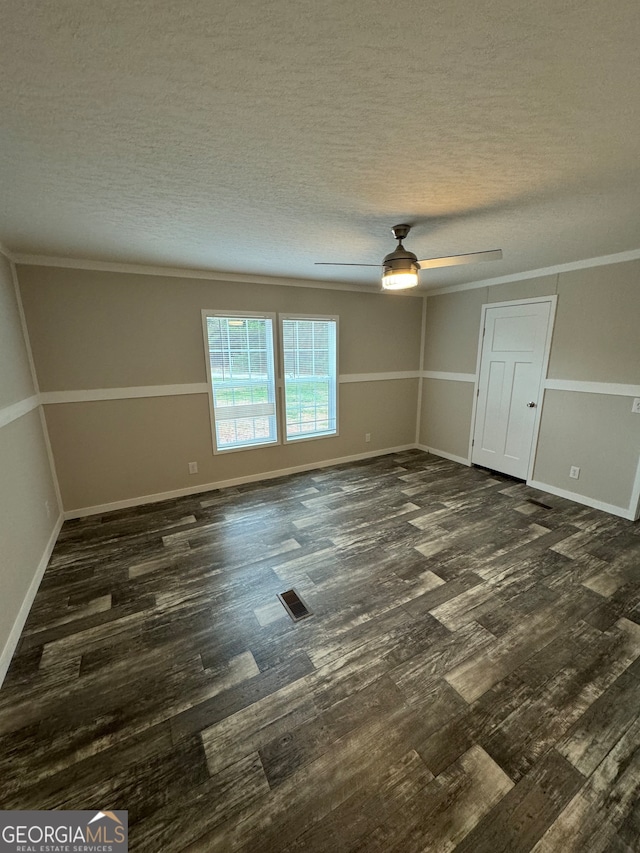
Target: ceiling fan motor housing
point(401, 259)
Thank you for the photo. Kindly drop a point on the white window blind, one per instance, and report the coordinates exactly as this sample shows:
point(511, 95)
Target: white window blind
point(243, 382)
point(310, 383)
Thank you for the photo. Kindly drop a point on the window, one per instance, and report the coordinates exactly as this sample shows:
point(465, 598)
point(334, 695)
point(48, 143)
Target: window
point(246, 410)
point(309, 356)
point(241, 379)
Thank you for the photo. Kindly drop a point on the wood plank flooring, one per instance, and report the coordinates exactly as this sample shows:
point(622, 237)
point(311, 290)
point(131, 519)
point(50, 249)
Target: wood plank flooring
point(469, 678)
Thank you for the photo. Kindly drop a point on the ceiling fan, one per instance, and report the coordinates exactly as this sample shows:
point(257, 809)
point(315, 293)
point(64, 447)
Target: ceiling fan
point(400, 268)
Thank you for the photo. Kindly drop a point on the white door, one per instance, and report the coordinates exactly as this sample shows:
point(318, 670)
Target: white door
point(511, 365)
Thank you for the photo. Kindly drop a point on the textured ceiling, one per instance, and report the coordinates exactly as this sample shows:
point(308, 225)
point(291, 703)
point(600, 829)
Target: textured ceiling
point(259, 137)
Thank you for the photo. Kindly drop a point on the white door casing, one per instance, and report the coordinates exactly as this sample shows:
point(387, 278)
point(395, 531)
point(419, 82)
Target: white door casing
point(513, 358)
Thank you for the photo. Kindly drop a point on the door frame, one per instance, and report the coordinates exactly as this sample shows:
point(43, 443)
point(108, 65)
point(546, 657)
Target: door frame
point(553, 300)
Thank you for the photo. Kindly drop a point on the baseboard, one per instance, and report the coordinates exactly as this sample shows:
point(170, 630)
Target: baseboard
point(12, 641)
point(621, 511)
point(460, 459)
point(225, 484)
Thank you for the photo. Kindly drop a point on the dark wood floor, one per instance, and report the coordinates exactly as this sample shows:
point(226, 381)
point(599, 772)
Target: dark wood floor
point(469, 679)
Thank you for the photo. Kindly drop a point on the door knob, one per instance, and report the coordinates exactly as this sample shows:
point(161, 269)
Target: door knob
point(531, 405)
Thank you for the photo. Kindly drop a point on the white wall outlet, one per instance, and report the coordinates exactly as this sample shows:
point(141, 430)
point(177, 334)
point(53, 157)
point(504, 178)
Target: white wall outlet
point(193, 467)
point(574, 472)
point(367, 436)
point(635, 408)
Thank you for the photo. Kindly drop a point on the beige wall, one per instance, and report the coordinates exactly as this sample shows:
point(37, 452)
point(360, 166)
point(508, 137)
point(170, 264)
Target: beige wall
point(15, 374)
point(26, 484)
point(595, 339)
point(598, 433)
point(529, 289)
point(445, 420)
point(451, 331)
point(93, 330)
point(118, 449)
point(109, 330)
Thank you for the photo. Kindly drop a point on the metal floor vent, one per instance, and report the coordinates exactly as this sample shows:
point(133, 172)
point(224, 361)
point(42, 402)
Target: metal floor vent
point(294, 605)
point(538, 503)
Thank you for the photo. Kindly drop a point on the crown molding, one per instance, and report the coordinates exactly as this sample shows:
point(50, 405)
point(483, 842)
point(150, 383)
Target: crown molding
point(282, 281)
point(187, 272)
point(603, 260)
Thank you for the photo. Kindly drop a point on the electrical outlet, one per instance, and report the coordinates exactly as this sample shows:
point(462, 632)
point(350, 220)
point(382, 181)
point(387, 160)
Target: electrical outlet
point(193, 467)
point(367, 436)
point(47, 506)
point(635, 408)
point(574, 472)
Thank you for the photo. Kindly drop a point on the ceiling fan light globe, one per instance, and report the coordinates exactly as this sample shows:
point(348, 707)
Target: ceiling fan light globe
point(399, 279)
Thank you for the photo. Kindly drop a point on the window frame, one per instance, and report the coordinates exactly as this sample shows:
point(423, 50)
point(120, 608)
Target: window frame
point(318, 317)
point(261, 315)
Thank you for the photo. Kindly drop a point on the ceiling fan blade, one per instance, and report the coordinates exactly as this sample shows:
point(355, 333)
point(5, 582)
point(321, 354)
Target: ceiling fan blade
point(454, 260)
point(332, 264)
